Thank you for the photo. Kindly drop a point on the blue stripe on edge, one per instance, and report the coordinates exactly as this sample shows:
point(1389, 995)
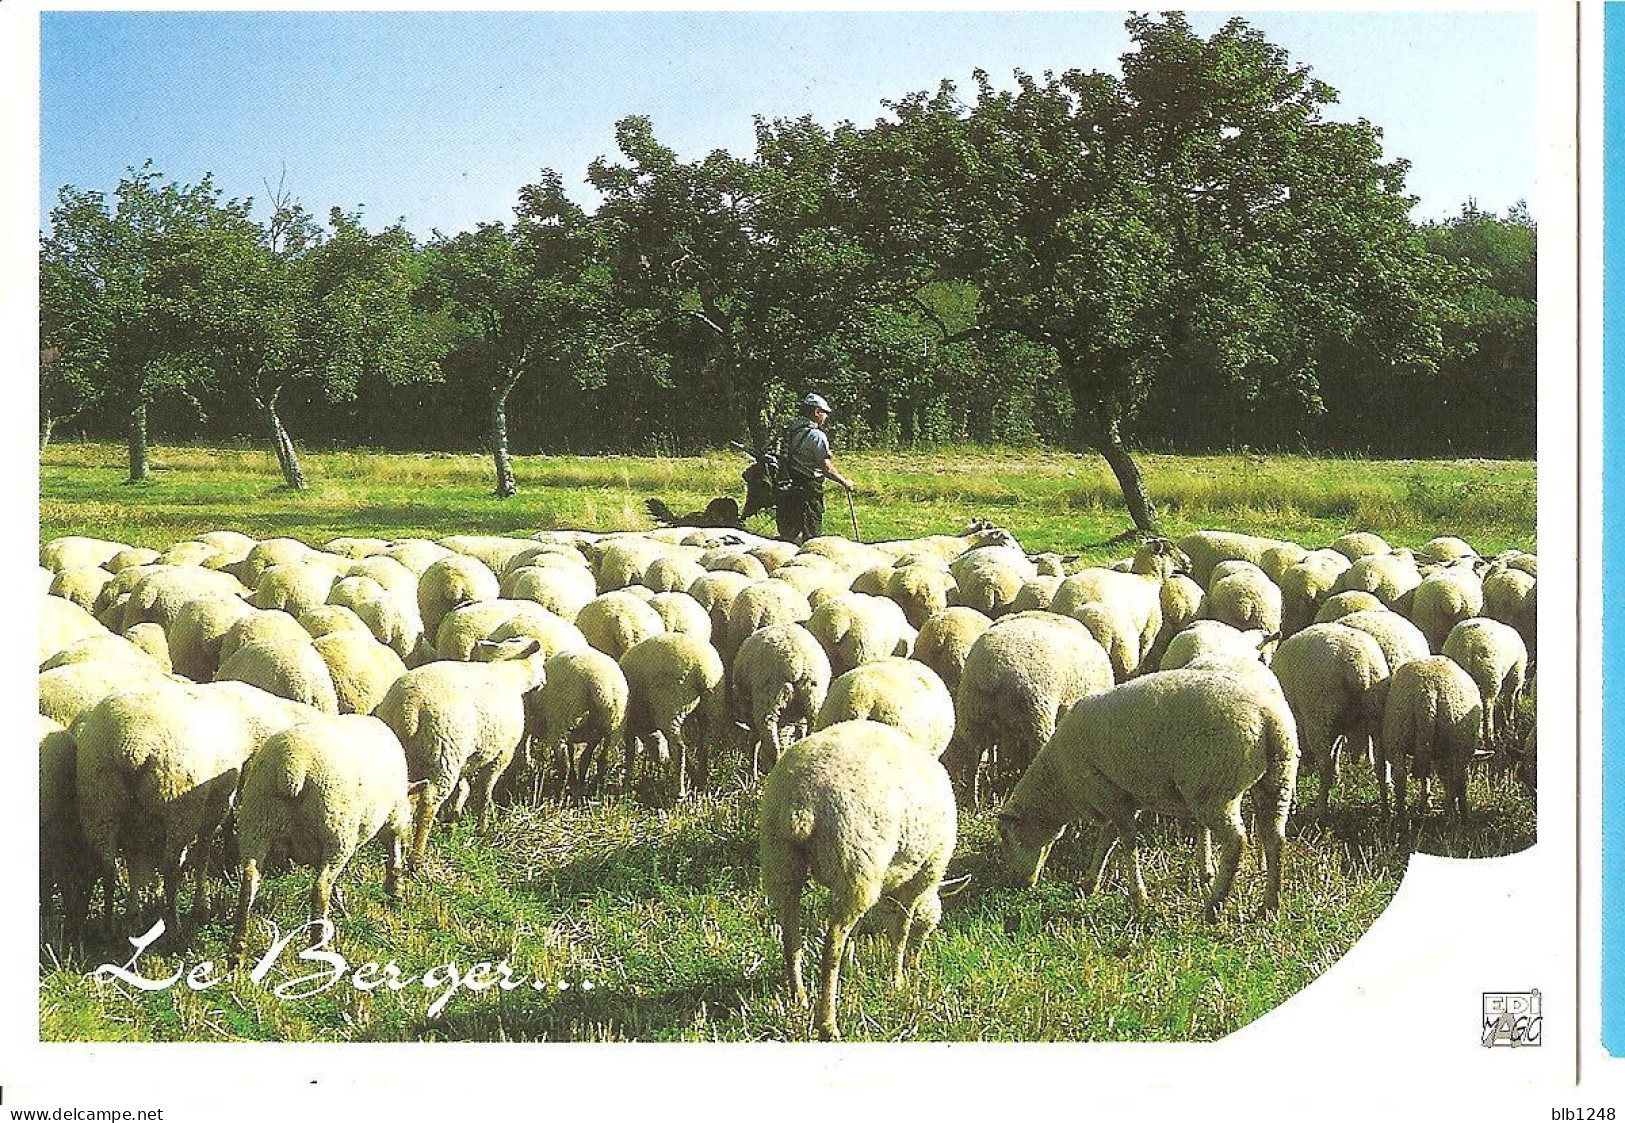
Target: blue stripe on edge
point(1613, 575)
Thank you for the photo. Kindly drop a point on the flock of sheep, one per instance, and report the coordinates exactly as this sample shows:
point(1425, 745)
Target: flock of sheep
point(310, 699)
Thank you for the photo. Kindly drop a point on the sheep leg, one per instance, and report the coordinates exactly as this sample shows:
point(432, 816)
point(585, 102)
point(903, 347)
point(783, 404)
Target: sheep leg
point(1271, 819)
point(1138, 898)
point(250, 887)
point(1097, 861)
point(321, 895)
point(459, 798)
point(679, 752)
point(1232, 838)
point(844, 914)
point(1401, 809)
point(783, 877)
point(394, 860)
point(426, 805)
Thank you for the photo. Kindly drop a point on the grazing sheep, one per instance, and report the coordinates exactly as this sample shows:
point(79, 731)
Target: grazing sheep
point(1446, 549)
point(562, 590)
point(1509, 597)
point(392, 617)
point(988, 578)
point(1391, 578)
point(855, 629)
point(126, 559)
point(874, 581)
point(263, 555)
point(1433, 715)
point(157, 769)
point(159, 595)
point(582, 702)
point(921, 591)
point(1339, 605)
point(151, 639)
point(945, 641)
point(415, 554)
point(330, 618)
point(1019, 677)
point(393, 577)
point(1207, 548)
point(816, 582)
point(75, 552)
point(1181, 605)
point(103, 648)
point(192, 553)
point(1359, 544)
point(624, 560)
point(1443, 600)
point(1493, 656)
point(1036, 595)
point(682, 613)
point(901, 693)
point(492, 550)
point(65, 862)
point(362, 669)
point(1138, 592)
point(81, 586)
point(715, 593)
point(452, 581)
point(317, 792)
point(1210, 638)
point(1335, 679)
point(1189, 743)
point(461, 722)
point(617, 621)
point(66, 692)
point(356, 548)
point(63, 623)
point(1306, 585)
point(295, 671)
point(1246, 600)
point(734, 561)
point(675, 688)
point(1400, 640)
point(467, 625)
point(860, 809)
point(1116, 633)
point(759, 604)
point(672, 575)
point(262, 625)
point(780, 678)
point(294, 588)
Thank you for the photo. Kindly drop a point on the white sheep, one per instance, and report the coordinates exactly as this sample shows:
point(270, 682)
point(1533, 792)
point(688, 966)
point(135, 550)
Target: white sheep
point(1509, 597)
point(780, 677)
point(467, 625)
point(103, 648)
point(295, 587)
point(66, 692)
point(675, 688)
point(262, 625)
point(452, 581)
point(756, 606)
point(362, 669)
point(921, 590)
point(582, 703)
point(1335, 679)
point(125, 559)
point(1357, 544)
point(492, 550)
point(987, 578)
point(1116, 633)
point(682, 613)
point(65, 862)
point(1247, 600)
point(616, 621)
point(1433, 716)
point(159, 595)
point(295, 671)
point(1210, 638)
point(1019, 677)
point(1207, 548)
point(1138, 592)
point(1037, 594)
point(945, 641)
point(1306, 585)
point(461, 722)
point(562, 590)
point(901, 693)
point(1493, 655)
point(330, 618)
point(1181, 600)
point(81, 586)
point(63, 623)
point(1446, 549)
point(861, 810)
point(157, 769)
point(1391, 578)
point(1339, 605)
point(1190, 743)
point(1443, 600)
point(1400, 640)
point(855, 629)
point(667, 575)
point(317, 792)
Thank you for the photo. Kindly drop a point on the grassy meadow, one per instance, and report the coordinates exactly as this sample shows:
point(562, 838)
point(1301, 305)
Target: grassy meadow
point(629, 917)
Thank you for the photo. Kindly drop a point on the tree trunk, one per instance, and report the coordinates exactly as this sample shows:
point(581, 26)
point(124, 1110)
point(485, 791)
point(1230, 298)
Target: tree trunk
point(287, 457)
point(506, 487)
point(46, 424)
point(1109, 441)
point(138, 443)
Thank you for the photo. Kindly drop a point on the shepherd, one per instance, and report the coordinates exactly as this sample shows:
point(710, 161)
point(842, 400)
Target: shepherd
point(804, 465)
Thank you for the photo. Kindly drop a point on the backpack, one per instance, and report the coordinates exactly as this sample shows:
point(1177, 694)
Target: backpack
point(785, 477)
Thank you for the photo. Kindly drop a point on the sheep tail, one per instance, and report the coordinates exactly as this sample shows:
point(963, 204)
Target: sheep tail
point(289, 782)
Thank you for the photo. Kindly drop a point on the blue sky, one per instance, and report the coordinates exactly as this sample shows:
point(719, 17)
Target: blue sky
point(440, 117)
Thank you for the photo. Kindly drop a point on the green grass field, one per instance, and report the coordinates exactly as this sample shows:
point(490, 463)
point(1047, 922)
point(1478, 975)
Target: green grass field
point(631, 918)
